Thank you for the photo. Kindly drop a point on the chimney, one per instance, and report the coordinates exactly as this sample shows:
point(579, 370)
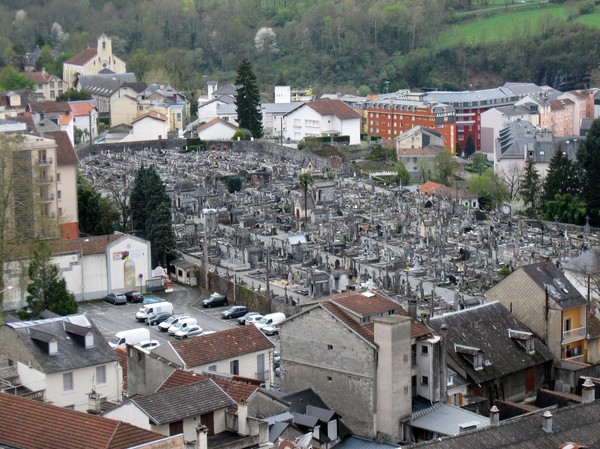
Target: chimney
point(547, 424)
point(494, 416)
point(201, 437)
point(242, 415)
point(443, 365)
point(94, 402)
point(588, 394)
point(412, 309)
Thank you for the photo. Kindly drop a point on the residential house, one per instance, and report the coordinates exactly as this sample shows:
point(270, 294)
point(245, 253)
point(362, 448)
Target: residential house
point(322, 118)
point(85, 120)
point(12, 127)
point(354, 349)
point(552, 308)
point(243, 351)
point(62, 359)
point(563, 114)
point(209, 110)
point(13, 102)
point(93, 61)
point(583, 272)
point(417, 148)
point(47, 86)
point(166, 100)
point(389, 118)
point(273, 118)
point(150, 126)
point(583, 106)
point(104, 86)
point(495, 119)
point(451, 194)
point(126, 111)
point(497, 354)
point(58, 112)
point(25, 423)
point(216, 129)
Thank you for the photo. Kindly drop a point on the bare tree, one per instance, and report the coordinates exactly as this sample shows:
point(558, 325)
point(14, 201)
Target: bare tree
point(511, 177)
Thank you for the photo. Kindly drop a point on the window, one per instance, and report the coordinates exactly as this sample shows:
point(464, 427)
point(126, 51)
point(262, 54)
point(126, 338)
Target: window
point(212, 368)
point(40, 86)
point(60, 211)
point(52, 85)
point(59, 194)
point(58, 177)
point(52, 95)
point(101, 374)
point(424, 350)
point(425, 380)
point(67, 381)
point(329, 379)
point(60, 85)
point(234, 367)
point(330, 347)
point(179, 116)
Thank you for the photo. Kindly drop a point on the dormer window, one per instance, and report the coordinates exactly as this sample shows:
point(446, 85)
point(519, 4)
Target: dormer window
point(53, 347)
point(471, 354)
point(89, 340)
point(524, 339)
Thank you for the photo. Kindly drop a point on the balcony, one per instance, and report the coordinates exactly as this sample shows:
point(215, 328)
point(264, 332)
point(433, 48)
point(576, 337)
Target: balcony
point(46, 179)
point(573, 335)
point(44, 161)
point(47, 197)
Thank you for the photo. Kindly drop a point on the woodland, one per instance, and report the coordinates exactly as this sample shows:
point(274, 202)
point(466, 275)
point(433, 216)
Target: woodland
point(349, 46)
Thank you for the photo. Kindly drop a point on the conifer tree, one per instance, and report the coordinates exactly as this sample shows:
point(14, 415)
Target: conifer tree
point(530, 189)
point(588, 159)
point(247, 100)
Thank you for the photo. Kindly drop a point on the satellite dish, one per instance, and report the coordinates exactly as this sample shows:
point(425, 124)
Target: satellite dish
point(304, 441)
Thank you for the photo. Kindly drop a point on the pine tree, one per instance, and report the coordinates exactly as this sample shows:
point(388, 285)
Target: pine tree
point(588, 159)
point(459, 151)
point(469, 146)
point(530, 189)
point(247, 100)
point(561, 177)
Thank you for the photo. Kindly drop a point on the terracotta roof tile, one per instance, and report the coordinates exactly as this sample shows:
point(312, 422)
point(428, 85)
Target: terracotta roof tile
point(50, 107)
point(337, 108)
point(36, 425)
point(95, 244)
point(151, 114)
point(180, 377)
point(214, 122)
point(83, 57)
point(226, 344)
point(82, 108)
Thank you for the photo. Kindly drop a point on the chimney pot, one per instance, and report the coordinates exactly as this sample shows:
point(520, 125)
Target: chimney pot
point(547, 424)
point(588, 394)
point(494, 416)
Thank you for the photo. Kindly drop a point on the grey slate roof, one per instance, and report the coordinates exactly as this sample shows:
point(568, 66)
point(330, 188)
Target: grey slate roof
point(560, 290)
point(72, 353)
point(105, 84)
point(186, 401)
point(446, 419)
point(355, 442)
point(577, 423)
point(586, 262)
point(520, 138)
point(487, 327)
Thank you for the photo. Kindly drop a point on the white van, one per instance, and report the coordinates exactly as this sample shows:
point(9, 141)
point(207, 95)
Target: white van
point(182, 325)
point(131, 336)
point(270, 319)
point(165, 325)
point(150, 309)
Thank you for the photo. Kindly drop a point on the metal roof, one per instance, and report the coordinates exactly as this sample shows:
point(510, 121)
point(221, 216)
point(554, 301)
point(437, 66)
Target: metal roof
point(446, 419)
point(355, 442)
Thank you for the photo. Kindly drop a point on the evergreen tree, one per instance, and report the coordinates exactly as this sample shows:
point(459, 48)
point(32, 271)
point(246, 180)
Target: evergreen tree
point(151, 214)
point(561, 177)
point(459, 151)
point(305, 180)
point(588, 159)
point(530, 189)
point(469, 146)
point(97, 214)
point(247, 100)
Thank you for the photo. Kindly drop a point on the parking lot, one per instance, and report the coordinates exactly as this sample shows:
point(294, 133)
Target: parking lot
point(111, 319)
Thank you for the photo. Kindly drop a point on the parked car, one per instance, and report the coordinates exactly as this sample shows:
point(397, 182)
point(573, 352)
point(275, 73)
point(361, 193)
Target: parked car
point(253, 319)
point(116, 298)
point(216, 299)
point(189, 331)
point(271, 329)
point(165, 325)
point(148, 345)
point(276, 359)
point(158, 318)
point(182, 324)
point(151, 300)
point(242, 319)
point(234, 312)
point(134, 296)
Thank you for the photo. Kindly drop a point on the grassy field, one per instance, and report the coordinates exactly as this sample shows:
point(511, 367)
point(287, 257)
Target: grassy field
point(499, 25)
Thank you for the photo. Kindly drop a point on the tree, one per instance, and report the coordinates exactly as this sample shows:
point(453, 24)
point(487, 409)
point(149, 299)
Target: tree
point(479, 163)
point(305, 180)
point(469, 146)
point(403, 176)
point(234, 184)
point(74, 95)
point(588, 160)
point(97, 214)
point(247, 100)
point(566, 208)
point(11, 79)
point(530, 189)
point(444, 168)
point(151, 214)
point(459, 151)
point(509, 179)
point(424, 168)
point(46, 290)
point(561, 177)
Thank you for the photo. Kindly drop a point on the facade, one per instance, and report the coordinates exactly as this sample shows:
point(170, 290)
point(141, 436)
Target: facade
point(92, 61)
point(85, 119)
point(390, 118)
point(57, 112)
point(495, 119)
point(216, 129)
point(104, 87)
point(63, 359)
point(354, 350)
point(322, 118)
point(47, 86)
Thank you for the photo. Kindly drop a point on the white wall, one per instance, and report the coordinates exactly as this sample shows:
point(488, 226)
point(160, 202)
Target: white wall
point(147, 129)
point(248, 366)
point(31, 378)
point(217, 131)
point(135, 250)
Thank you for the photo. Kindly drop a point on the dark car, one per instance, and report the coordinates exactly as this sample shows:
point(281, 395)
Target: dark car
point(234, 312)
point(134, 296)
point(242, 319)
point(158, 318)
point(216, 299)
point(116, 298)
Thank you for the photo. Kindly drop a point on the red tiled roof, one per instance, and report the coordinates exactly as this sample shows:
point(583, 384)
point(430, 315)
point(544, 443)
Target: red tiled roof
point(214, 122)
point(50, 107)
point(40, 77)
point(83, 57)
point(152, 114)
point(95, 244)
point(180, 377)
point(362, 305)
point(360, 329)
point(81, 108)
point(338, 108)
point(429, 187)
point(37, 425)
point(221, 345)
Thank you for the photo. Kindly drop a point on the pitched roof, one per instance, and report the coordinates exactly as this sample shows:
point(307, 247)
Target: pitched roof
point(487, 328)
point(87, 245)
point(65, 153)
point(337, 108)
point(31, 424)
point(222, 345)
point(50, 107)
point(560, 290)
point(215, 121)
point(41, 77)
point(72, 353)
point(185, 401)
point(80, 108)
point(83, 57)
point(152, 114)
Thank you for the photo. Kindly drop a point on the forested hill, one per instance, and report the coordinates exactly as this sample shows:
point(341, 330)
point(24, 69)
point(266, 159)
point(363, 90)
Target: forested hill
point(330, 45)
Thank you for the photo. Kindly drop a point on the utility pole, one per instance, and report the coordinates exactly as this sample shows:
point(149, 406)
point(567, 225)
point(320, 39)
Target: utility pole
point(206, 249)
point(267, 277)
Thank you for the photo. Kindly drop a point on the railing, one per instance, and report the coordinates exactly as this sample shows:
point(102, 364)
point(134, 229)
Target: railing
point(44, 161)
point(263, 375)
point(47, 197)
point(577, 358)
point(574, 334)
point(45, 179)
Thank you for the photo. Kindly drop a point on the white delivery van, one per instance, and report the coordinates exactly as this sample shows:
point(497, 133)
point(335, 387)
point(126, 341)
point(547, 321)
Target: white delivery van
point(150, 309)
point(131, 336)
point(270, 319)
point(182, 325)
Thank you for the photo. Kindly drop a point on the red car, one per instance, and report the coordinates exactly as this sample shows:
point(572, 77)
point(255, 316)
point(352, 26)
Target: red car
point(134, 296)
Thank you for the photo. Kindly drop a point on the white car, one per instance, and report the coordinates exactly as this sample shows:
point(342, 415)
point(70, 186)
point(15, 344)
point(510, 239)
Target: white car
point(253, 319)
point(271, 329)
point(148, 345)
point(189, 331)
point(165, 325)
